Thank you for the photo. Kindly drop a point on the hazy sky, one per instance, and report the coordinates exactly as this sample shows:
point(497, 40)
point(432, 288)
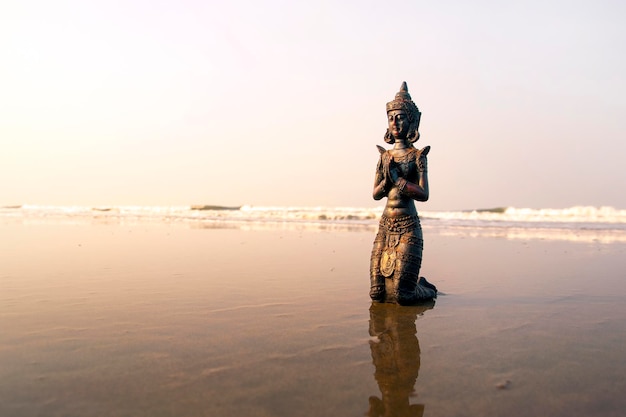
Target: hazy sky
point(282, 102)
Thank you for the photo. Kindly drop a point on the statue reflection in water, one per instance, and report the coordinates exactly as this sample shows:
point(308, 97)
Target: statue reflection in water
point(396, 357)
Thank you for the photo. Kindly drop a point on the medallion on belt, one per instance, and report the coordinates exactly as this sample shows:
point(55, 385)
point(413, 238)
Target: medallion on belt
point(388, 262)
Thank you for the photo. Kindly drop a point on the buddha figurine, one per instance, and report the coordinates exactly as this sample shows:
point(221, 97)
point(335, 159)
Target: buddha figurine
point(402, 177)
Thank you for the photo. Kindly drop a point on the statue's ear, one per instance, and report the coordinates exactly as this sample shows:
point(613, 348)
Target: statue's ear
point(388, 137)
point(413, 136)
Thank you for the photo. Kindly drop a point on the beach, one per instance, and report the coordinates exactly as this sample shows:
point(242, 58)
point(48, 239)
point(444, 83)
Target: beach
point(166, 318)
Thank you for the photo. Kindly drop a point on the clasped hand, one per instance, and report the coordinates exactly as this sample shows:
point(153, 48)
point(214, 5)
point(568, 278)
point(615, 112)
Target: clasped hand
point(391, 170)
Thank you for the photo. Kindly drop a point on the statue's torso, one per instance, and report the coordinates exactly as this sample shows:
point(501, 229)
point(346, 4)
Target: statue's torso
point(397, 204)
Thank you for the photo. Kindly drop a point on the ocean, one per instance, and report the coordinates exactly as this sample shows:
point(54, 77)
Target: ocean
point(579, 223)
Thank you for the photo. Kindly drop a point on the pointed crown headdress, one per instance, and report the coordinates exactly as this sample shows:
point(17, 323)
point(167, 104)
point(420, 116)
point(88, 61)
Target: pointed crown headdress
point(403, 101)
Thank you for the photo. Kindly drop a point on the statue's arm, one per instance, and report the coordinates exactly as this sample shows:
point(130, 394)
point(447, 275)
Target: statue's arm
point(417, 191)
point(379, 182)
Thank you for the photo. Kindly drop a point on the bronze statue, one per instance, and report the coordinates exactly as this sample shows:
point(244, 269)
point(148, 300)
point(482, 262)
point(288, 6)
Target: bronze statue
point(401, 176)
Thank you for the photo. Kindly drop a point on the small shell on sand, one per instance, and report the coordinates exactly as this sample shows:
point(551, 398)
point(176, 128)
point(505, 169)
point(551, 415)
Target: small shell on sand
point(504, 385)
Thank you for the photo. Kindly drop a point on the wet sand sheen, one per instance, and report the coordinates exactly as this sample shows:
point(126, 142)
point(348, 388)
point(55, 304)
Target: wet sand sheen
point(157, 319)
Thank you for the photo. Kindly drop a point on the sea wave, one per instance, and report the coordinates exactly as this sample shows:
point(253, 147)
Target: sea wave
point(577, 214)
point(597, 220)
point(547, 217)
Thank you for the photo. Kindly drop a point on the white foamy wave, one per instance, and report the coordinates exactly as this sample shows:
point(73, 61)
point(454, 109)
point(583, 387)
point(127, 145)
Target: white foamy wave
point(605, 221)
point(575, 216)
point(265, 214)
point(315, 214)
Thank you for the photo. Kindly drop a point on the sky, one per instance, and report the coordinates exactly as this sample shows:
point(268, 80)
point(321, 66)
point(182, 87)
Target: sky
point(282, 103)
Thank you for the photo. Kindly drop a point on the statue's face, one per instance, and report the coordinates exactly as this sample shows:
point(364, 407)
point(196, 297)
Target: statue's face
point(398, 123)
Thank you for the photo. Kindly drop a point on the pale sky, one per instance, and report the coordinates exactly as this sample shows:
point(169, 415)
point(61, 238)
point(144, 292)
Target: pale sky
point(282, 102)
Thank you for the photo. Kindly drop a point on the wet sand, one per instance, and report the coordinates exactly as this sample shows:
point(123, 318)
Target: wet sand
point(168, 320)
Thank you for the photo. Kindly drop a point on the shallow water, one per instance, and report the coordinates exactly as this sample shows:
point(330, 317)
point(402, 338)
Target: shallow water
point(168, 320)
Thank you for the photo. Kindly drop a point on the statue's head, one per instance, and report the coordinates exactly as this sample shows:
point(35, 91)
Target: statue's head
point(403, 102)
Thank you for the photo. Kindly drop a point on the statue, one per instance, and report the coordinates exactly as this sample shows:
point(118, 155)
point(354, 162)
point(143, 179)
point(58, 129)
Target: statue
point(401, 176)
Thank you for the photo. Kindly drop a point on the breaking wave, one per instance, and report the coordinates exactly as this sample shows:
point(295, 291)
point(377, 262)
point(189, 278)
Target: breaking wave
point(587, 220)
